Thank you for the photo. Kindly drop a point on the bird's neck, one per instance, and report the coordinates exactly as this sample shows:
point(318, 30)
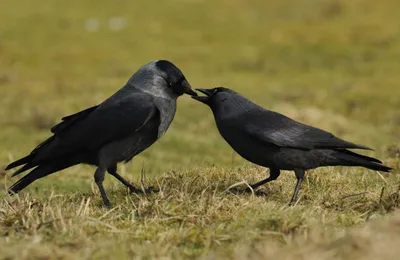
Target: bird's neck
point(167, 109)
point(159, 93)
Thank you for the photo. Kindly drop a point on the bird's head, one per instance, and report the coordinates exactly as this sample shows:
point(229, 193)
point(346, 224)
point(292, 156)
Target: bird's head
point(214, 96)
point(161, 77)
point(175, 79)
point(222, 100)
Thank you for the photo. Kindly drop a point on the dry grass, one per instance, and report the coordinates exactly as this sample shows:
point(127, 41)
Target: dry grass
point(330, 63)
point(193, 215)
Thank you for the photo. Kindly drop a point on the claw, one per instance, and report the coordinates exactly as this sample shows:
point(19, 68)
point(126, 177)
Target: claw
point(151, 189)
point(146, 190)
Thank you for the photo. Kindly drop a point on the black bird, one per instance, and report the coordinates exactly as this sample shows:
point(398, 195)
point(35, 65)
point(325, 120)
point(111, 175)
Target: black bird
point(275, 141)
point(114, 131)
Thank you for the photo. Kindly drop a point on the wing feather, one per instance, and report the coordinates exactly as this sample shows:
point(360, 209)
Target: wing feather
point(282, 131)
point(90, 129)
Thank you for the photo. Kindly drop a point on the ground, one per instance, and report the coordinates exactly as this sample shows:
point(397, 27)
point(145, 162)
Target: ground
point(329, 63)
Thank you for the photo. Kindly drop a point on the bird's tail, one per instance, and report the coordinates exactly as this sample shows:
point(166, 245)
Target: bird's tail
point(348, 158)
point(41, 171)
point(38, 156)
point(19, 162)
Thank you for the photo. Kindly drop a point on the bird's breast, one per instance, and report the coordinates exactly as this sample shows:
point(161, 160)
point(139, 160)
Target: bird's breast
point(249, 148)
point(167, 109)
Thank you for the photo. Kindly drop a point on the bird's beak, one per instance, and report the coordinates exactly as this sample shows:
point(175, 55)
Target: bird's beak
point(203, 99)
point(187, 89)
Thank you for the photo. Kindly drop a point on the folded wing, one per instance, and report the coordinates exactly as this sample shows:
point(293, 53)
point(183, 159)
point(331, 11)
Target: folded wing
point(277, 129)
point(90, 129)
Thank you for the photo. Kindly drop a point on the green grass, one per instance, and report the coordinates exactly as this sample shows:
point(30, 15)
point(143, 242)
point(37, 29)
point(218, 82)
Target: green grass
point(329, 63)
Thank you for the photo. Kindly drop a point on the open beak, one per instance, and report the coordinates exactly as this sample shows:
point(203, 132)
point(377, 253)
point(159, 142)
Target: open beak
point(203, 99)
point(187, 89)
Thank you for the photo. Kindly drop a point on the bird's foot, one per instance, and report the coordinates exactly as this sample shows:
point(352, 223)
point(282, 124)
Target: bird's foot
point(107, 204)
point(146, 190)
point(151, 189)
point(238, 190)
point(251, 189)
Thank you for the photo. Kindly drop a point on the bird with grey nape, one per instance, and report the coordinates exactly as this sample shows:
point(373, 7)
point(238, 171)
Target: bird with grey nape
point(272, 140)
point(114, 131)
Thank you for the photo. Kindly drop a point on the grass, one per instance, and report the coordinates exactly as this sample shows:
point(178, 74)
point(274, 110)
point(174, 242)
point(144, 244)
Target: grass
point(330, 63)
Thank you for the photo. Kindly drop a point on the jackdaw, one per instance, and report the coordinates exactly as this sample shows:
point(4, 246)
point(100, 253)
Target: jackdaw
point(275, 141)
point(114, 131)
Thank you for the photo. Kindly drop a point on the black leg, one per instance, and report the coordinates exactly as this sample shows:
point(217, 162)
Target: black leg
point(273, 175)
point(99, 178)
point(299, 175)
point(113, 171)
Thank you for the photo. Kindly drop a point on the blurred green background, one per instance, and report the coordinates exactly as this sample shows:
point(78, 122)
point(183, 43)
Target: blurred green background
point(330, 63)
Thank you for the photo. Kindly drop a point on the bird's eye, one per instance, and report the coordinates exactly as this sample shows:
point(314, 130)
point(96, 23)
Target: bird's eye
point(216, 90)
point(177, 83)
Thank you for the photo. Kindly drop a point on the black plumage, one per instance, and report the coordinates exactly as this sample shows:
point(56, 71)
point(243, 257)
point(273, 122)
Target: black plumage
point(275, 141)
point(121, 127)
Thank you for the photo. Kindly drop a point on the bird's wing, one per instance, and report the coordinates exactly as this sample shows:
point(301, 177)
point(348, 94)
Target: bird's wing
point(272, 127)
point(111, 121)
point(68, 121)
point(89, 130)
point(114, 121)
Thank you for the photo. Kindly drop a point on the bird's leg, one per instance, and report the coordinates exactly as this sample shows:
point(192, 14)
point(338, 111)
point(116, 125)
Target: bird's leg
point(113, 171)
point(99, 178)
point(299, 175)
point(273, 175)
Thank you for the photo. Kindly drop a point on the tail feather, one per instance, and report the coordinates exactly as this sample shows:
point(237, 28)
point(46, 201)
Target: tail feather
point(36, 157)
point(354, 159)
point(358, 146)
point(26, 180)
point(360, 156)
point(40, 172)
point(19, 162)
point(378, 167)
point(24, 168)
